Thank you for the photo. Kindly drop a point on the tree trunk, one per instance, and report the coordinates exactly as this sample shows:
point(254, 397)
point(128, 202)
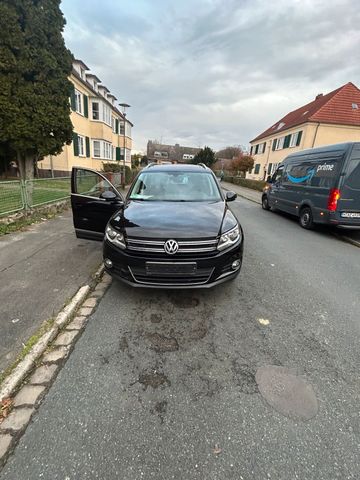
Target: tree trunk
point(26, 168)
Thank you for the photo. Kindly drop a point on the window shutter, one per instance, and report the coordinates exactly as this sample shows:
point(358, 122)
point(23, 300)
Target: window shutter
point(274, 145)
point(118, 154)
point(87, 143)
point(116, 125)
point(86, 106)
point(299, 138)
point(251, 150)
point(256, 149)
point(269, 168)
point(72, 98)
point(287, 141)
point(76, 144)
point(264, 147)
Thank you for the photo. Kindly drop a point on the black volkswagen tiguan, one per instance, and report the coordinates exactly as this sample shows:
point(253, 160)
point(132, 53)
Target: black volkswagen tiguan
point(173, 230)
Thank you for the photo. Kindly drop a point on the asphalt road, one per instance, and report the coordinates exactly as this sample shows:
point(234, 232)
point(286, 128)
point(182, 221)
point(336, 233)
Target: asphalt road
point(162, 385)
point(40, 270)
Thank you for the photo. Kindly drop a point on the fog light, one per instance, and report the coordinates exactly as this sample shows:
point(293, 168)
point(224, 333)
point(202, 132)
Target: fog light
point(235, 265)
point(108, 263)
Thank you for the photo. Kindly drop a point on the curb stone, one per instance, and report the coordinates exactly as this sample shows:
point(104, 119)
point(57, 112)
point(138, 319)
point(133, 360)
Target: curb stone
point(30, 395)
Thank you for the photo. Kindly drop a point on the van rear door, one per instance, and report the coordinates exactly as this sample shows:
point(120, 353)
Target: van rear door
point(349, 203)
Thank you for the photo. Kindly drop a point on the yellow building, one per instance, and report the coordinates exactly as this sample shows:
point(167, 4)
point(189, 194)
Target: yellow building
point(101, 132)
point(331, 118)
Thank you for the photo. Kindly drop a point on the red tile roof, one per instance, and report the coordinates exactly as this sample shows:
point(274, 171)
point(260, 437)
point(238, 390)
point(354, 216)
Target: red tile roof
point(334, 107)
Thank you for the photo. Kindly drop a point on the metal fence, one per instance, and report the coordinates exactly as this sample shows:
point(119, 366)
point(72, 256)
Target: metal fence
point(16, 195)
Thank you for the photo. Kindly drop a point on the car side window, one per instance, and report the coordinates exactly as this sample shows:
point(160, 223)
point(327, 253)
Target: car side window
point(91, 184)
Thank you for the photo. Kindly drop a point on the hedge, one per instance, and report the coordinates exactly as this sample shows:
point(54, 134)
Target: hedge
point(244, 182)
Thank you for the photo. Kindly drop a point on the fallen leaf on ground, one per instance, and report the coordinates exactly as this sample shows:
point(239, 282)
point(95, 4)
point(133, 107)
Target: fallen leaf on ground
point(217, 450)
point(263, 321)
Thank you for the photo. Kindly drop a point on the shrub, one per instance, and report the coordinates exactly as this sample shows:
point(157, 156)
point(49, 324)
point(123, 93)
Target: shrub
point(244, 182)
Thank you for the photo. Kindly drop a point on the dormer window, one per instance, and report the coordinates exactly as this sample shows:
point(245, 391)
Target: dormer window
point(355, 106)
point(281, 124)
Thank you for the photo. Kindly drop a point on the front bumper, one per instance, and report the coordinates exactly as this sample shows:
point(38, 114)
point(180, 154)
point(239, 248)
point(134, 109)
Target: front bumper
point(211, 270)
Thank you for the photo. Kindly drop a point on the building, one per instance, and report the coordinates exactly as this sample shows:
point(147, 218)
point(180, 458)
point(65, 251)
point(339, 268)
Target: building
point(328, 119)
point(101, 131)
point(159, 153)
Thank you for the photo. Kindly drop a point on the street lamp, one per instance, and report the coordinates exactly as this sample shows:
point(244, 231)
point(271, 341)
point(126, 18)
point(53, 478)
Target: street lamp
point(124, 107)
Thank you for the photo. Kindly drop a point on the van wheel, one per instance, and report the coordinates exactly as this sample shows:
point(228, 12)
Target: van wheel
point(265, 203)
point(306, 218)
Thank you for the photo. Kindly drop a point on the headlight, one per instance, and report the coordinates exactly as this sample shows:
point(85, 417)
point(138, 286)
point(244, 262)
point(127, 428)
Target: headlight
point(115, 237)
point(229, 238)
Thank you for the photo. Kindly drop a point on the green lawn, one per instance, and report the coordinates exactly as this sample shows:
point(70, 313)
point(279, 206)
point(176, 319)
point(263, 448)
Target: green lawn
point(40, 192)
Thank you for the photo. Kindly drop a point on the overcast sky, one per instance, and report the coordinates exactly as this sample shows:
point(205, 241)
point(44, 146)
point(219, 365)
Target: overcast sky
point(214, 72)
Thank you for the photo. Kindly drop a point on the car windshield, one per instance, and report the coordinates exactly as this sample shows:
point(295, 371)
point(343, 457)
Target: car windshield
point(176, 187)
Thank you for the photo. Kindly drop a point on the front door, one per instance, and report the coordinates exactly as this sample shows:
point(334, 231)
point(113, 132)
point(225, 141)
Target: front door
point(274, 194)
point(93, 201)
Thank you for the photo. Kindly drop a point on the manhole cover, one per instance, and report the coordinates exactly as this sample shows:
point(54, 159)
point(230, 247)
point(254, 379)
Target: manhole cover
point(289, 394)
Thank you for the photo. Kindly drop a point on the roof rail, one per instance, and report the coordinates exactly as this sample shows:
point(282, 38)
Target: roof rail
point(202, 165)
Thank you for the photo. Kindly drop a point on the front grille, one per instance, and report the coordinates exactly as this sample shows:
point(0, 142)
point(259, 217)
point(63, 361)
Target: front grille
point(145, 247)
point(201, 276)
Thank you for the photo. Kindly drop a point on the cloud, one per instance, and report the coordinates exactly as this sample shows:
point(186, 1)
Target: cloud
point(214, 72)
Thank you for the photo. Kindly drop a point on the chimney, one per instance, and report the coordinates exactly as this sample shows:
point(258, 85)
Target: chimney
point(319, 95)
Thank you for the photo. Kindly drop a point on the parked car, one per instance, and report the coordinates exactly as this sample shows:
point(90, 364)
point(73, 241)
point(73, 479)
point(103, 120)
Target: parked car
point(320, 185)
point(173, 230)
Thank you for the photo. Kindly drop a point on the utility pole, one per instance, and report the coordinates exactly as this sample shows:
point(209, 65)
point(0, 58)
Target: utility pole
point(124, 107)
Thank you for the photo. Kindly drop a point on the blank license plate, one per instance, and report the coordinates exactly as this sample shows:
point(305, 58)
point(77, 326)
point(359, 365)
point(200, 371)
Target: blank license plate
point(169, 268)
point(350, 214)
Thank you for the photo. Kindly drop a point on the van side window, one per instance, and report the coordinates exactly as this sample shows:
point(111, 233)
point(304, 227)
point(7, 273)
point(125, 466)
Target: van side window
point(325, 174)
point(299, 173)
point(278, 175)
point(352, 179)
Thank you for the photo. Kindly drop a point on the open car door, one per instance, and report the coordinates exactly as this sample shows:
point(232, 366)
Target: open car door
point(93, 201)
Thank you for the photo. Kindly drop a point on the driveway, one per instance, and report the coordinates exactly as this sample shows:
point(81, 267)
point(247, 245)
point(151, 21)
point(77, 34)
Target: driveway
point(181, 385)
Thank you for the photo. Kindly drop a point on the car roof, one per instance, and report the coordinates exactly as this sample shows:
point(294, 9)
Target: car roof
point(177, 167)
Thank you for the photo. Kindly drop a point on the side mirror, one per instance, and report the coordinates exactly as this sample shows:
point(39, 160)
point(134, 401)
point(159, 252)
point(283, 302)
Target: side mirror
point(230, 196)
point(108, 195)
point(268, 180)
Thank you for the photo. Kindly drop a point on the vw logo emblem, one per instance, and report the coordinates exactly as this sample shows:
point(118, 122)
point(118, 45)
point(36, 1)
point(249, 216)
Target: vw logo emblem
point(171, 247)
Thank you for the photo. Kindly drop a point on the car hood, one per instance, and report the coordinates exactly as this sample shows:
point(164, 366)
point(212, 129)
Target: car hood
point(172, 219)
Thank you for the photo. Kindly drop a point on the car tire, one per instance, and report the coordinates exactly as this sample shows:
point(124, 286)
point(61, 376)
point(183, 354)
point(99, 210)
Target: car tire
point(306, 218)
point(265, 203)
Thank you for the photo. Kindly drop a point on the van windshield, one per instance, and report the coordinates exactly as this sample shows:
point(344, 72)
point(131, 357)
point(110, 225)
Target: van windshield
point(175, 187)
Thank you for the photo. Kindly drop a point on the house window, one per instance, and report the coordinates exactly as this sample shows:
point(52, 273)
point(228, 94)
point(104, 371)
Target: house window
point(113, 153)
point(257, 168)
point(261, 148)
point(295, 139)
point(280, 143)
point(78, 102)
point(102, 149)
point(122, 128)
point(97, 148)
point(106, 114)
point(81, 145)
point(113, 124)
point(128, 129)
point(95, 111)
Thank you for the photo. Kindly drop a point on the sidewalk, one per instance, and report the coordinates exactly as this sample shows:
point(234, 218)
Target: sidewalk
point(351, 236)
point(41, 269)
point(248, 193)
